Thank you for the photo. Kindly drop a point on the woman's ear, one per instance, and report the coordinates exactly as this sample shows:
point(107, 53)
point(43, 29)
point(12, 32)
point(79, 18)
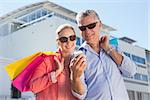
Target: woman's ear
point(57, 42)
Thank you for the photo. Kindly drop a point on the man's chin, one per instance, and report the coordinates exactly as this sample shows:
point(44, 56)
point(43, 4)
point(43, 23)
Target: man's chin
point(89, 41)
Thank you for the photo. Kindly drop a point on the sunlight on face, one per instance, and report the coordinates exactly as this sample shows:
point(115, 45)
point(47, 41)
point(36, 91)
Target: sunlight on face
point(69, 46)
point(90, 35)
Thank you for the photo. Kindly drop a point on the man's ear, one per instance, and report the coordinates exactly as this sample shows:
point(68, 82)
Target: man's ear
point(100, 24)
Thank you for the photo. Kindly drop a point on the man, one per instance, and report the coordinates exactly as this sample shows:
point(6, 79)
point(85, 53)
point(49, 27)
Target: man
point(102, 78)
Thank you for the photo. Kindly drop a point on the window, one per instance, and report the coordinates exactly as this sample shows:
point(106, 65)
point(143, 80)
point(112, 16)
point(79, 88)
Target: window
point(44, 12)
point(35, 15)
point(38, 14)
point(145, 78)
point(25, 19)
point(138, 59)
point(137, 76)
point(141, 77)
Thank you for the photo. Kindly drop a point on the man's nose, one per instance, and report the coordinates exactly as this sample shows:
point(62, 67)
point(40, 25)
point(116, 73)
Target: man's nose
point(87, 30)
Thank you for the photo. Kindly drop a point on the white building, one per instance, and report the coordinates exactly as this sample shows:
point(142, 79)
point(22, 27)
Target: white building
point(138, 86)
point(32, 28)
point(148, 64)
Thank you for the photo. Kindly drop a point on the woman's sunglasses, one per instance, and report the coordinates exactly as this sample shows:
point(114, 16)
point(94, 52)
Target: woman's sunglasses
point(90, 26)
point(65, 39)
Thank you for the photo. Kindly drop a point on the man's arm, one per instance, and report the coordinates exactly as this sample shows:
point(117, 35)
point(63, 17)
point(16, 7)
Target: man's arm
point(78, 85)
point(116, 56)
point(125, 65)
point(79, 88)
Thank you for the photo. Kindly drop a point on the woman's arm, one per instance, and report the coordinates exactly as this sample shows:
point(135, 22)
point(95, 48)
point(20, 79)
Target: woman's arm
point(40, 79)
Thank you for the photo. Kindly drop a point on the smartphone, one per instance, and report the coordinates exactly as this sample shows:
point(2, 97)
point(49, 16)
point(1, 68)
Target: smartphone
point(77, 53)
point(74, 56)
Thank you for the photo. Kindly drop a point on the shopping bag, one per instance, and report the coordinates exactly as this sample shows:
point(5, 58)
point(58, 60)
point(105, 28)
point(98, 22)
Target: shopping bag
point(16, 67)
point(114, 41)
point(21, 81)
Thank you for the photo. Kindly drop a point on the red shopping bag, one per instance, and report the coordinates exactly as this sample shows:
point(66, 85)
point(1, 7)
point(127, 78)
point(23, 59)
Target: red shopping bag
point(21, 82)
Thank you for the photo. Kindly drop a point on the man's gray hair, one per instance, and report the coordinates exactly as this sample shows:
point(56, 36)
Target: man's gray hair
point(86, 13)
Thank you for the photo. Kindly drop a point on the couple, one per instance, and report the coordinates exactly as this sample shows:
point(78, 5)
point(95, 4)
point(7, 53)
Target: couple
point(96, 73)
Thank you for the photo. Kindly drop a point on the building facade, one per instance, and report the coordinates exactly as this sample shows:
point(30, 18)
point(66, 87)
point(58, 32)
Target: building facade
point(138, 85)
point(32, 28)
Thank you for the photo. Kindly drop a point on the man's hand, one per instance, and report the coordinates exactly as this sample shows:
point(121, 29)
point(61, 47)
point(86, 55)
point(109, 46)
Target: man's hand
point(104, 43)
point(77, 66)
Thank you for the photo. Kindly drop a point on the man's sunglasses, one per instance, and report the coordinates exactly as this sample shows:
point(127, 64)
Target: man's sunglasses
point(90, 26)
point(65, 39)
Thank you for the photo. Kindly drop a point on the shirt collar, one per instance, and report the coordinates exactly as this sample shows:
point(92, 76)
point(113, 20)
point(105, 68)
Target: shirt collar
point(87, 47)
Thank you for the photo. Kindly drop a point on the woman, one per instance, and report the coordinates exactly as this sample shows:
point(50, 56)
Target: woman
point(55, 84)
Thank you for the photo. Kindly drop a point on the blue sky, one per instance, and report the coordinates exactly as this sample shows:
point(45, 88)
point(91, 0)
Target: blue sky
point(131, 18)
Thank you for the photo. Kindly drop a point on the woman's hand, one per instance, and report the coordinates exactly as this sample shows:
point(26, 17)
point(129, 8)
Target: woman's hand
point(60, 65)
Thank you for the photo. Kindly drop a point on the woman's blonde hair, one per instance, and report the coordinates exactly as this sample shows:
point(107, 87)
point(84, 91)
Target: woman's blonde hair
point(62, 27)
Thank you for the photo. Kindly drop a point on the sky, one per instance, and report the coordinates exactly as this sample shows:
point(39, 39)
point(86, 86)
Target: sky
point(131, 18)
